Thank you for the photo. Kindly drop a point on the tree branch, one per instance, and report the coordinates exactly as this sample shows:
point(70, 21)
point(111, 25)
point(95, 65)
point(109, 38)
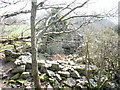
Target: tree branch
point(41, 32)
point(15, 13)
point(96, 16)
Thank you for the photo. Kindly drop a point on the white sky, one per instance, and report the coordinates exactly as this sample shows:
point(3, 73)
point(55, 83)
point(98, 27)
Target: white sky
point(93, 6)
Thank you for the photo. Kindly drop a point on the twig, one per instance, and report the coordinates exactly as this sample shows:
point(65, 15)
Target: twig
point(41, 32)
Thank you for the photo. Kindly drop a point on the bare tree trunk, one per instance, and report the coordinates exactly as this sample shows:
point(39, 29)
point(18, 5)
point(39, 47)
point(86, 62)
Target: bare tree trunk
point(119, 43)
point(34, 48)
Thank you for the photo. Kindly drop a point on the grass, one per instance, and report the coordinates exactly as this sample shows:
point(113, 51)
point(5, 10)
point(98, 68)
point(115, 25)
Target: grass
point(16, 30)
point(13, 31)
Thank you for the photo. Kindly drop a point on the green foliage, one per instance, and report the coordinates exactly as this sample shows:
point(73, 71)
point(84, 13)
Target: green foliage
point(17, 30)
point(12, 81)
point(107, 76)
point(44, 77)
point(101, 50)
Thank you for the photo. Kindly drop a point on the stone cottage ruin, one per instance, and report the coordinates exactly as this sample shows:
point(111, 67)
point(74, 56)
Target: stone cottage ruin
point(65, 43)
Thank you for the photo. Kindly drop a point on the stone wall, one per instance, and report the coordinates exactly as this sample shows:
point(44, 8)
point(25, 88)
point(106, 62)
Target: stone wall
point(71, 41)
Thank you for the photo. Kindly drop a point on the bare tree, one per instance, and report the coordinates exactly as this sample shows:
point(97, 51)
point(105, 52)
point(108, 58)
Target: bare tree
point(33, 45)
point(35, 37)
point(118, 75)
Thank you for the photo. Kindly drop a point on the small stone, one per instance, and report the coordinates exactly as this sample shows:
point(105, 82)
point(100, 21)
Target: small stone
point(22, 60)
point(67, 67)
point(78, 86)
point(50, 73)
point(28, 87)
point(58, 77)
point(93, 83)
point(19, 69)
point(49, 87)
point(1, 75)
point(21, 81)
point(71, 62)
point(4, 76)
point(80, 69)
point(55, 66)
point(61, 66)
point(81, 81)
point(70, 82)
point(29, 65)
point(64, 73)
point(12, 81)
point(25, 75)
point(51, 62)
point(10, 55)
point(41, 62)
point(79, 60)
point(43, 68)
point(74, 73)
point(15, 76)
point(62, 62)
point(9, 59)
point(13, 86)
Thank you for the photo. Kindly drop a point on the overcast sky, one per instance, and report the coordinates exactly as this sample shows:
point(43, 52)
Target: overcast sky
point(94, 6)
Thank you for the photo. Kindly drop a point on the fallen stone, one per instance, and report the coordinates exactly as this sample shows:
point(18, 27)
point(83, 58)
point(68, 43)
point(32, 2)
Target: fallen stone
point(1, 75)
point(79, 60)
point(9, 59)
point(80, 69)
point(50, 62)
point(93, 83)
point(58, 77)
point(16, 76)
point(78, 86)
point(61, 67)
point(10, 55)
point(74, 73)
point(67, 67)
point(41, 62)
point(5, 76)
point(25, 75)
point(64, 73)
point(49, 87)
point(50, 73)
point(62, 62)
point(12, 85)
point(23, 60)
point(71, 62)
point(29, 65)
point(56, 84)
point(21, 81)
point(19, 69)
point(81, 81)
point(92, 68)
point(11, 81)
point(55, 66)
point(70, 82)
point(43, 68)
